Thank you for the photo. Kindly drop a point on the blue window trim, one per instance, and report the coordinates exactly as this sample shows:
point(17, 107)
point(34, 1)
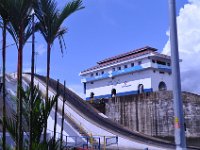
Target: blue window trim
point(114, 73)
point(124, 71)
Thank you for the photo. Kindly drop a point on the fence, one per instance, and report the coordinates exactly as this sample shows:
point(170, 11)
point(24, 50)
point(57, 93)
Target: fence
point(93, 142)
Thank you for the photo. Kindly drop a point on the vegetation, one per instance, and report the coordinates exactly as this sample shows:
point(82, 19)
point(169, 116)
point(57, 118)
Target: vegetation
point(15, 18)
point(51, 19)
point(40, 113)
point(5, 18)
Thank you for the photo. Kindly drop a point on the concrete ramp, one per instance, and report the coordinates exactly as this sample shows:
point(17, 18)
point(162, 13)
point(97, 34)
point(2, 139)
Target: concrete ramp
point(82, 120)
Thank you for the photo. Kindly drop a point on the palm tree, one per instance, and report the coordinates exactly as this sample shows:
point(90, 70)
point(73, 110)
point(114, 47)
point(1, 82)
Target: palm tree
point(32, 83)
point(55, 115)
point(20, 29)
point(40, 113)
point(51, 20)
point(39, 110)
point(5, 18)
point(63, 112)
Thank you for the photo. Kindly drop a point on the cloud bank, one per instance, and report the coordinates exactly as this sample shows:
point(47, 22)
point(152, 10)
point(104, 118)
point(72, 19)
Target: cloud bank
point(188, 22)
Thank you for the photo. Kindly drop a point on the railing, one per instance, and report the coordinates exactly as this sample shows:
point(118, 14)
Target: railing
point(93, 142)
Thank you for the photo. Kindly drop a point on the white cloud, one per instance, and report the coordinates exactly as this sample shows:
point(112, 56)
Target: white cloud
point(188, 22)
point(41, 49)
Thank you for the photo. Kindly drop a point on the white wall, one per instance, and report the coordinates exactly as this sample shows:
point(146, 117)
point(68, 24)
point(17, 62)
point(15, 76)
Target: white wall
point(157, 78)
point(123, 83)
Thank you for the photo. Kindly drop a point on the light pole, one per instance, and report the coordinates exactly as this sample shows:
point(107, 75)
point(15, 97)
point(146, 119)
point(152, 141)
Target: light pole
point(178, 104)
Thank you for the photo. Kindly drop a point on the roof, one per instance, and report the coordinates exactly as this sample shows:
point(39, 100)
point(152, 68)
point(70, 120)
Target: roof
point(125, 56)
point(133, 52)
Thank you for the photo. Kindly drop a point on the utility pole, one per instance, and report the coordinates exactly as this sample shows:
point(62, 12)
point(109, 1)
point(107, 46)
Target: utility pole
point(180, 140)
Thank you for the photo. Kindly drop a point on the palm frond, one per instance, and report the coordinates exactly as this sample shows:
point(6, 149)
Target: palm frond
point(69, 9)
point(8, 147)
point(19, 16)
point(11, 127)
point(4, 10)
point(61, 39)
point(51, 18)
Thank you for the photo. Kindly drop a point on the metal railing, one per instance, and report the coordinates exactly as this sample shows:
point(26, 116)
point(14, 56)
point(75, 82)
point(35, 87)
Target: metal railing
point(93, 142)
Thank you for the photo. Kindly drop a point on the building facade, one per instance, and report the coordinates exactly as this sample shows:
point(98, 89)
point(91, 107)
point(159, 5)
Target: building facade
point(134, 72)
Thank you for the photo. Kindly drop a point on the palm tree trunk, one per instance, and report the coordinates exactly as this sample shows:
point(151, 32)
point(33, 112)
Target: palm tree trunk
point(32, 83)
point(55, 116)
point(47, 85)
point(19, 112)
point(62, 123)
point(4, 83)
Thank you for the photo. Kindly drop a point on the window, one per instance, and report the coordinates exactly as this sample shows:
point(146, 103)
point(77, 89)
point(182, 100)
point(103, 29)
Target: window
point(97, 74)
point(139, 62)
point(161, 62)
point(125, 66)
point(102, 72)
point(84, 88)
point(161, 72)
point(92, 75)
point(168, 64)
point(132, 64)
point(113, 69)
point(119, 68)
point(162, 86)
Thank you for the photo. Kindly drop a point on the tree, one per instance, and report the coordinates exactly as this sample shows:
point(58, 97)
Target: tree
point(32, 83)
point(51, 19)
point(5, 18)
point(63, 112)
point(40, 112)
point(56, 111)
point(20, 29)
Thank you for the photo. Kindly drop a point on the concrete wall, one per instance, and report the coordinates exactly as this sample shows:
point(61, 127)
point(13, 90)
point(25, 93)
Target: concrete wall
point(152, 113)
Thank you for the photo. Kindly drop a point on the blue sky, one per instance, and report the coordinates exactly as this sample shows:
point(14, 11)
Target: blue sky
point(103, 29)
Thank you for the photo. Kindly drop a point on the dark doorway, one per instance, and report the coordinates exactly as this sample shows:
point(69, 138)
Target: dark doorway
point(162, 86)
point(91, 95)
point(113, 93)
point(140, 88)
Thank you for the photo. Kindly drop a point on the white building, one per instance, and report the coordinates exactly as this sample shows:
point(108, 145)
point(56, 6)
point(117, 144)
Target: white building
point(137, 71)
